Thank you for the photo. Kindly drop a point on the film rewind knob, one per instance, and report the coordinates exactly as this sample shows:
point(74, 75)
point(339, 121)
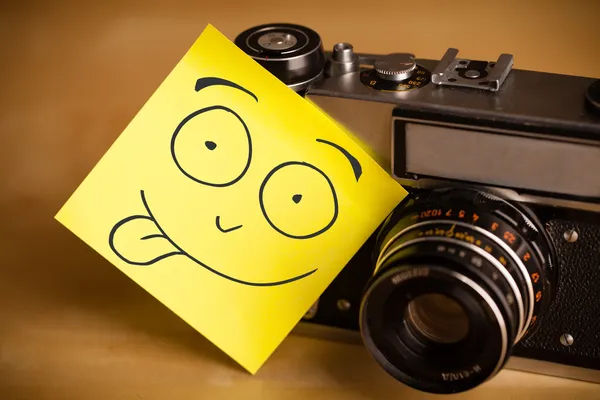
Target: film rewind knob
point(292, 53)
point(395, 67)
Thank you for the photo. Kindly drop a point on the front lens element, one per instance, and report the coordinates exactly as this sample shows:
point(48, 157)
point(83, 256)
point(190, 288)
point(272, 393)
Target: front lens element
point(438, 318)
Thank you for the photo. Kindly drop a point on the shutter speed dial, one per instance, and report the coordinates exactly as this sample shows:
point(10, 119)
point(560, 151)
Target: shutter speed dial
point(397, 72)
point(395, 67)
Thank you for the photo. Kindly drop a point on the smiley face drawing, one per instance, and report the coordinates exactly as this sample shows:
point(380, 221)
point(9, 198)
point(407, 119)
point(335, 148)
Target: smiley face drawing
point(194, 150)
point(232, 200)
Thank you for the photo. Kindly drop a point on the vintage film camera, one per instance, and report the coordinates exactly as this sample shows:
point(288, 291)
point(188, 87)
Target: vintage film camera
point(493, 260)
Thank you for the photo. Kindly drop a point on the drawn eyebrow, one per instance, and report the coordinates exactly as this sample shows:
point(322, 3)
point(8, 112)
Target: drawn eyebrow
point(211, 81)
point(356, 167)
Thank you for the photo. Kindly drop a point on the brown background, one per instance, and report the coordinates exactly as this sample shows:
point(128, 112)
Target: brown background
point(72, 75)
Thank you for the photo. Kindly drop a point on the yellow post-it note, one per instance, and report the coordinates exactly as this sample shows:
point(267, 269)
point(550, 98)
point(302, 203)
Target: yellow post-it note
point(232, 200)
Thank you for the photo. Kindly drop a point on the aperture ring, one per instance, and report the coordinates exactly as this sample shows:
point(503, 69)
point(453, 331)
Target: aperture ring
point(482, 253)
point(524, 271)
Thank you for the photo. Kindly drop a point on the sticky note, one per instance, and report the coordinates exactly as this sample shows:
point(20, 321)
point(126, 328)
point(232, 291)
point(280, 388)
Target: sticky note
point(231, 199)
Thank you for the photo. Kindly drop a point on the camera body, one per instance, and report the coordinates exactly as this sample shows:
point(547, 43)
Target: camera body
point(502, 167)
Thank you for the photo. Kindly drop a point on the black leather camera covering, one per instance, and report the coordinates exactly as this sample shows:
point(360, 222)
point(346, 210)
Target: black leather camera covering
point(575, 310)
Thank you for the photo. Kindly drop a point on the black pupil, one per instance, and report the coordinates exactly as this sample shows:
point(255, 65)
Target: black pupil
point(296, 198)
point(210, 145)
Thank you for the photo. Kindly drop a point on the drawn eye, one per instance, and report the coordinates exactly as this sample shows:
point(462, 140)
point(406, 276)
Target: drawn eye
point(298, 200)
point(212, 146)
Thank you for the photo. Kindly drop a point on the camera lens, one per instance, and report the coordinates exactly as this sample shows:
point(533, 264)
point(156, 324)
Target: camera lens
point(460, 277)
point(438, 318)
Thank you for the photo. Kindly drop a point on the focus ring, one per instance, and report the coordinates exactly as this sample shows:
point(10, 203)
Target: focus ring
point(402, 235)
point(474, 251)
point(528, 256)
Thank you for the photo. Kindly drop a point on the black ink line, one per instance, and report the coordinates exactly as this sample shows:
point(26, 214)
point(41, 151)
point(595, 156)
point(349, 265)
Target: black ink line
point(186, 120)
point(111, 242)
point(264, 211)
point(154, 235)
point(356, 167)
point(218, 223)
point(211, 81)
point(182, 252)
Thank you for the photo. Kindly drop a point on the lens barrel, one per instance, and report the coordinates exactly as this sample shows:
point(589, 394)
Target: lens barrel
point(460, 277)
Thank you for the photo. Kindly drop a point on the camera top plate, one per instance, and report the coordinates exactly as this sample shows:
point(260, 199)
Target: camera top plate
point(539, 102)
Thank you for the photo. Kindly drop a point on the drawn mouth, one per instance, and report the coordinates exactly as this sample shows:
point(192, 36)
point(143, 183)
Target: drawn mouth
point(180, 251)
point(218, 223)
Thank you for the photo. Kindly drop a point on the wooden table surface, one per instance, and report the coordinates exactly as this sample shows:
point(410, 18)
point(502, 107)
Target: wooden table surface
point(74, 73)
